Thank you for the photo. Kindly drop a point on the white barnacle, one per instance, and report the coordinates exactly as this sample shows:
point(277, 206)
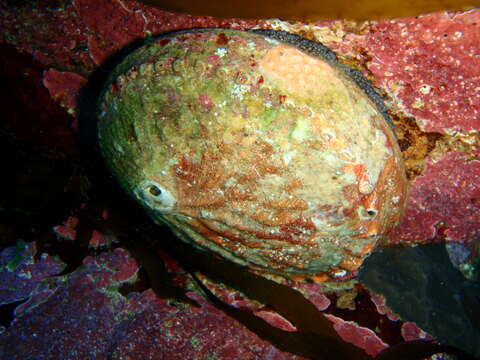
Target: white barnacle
point(221, 52)
point(425, 89)
point(238, 90)
point(339, 273)
point(154, 196)
point(251, 45)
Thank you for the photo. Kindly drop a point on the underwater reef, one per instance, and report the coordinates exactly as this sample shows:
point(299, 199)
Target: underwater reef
point(85, 273)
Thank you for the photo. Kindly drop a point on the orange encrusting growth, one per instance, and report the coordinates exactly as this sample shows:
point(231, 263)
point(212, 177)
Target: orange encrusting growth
point(293, 71)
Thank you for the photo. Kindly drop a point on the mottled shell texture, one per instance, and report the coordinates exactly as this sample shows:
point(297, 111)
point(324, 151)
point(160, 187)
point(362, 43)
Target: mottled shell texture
point(266, 153)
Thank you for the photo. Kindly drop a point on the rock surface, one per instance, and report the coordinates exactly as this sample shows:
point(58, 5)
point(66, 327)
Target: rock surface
point(427, 69)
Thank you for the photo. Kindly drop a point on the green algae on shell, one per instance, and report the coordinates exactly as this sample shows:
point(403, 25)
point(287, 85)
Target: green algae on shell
point(259, 147)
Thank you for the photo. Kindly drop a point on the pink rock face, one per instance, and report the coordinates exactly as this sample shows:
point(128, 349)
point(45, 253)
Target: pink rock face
point(86, 32)
point(382, 308)
point(410, 332)
point(64, 87)
point(20, 274)
point(362, 337)
point(430, 65)
point(68, 231)
point(137, 326)
point(446, 193)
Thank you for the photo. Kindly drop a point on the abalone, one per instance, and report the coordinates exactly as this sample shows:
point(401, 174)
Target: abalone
point(257, 146)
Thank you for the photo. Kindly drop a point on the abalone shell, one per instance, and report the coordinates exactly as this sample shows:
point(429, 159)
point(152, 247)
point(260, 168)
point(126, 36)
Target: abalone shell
point(259, 147)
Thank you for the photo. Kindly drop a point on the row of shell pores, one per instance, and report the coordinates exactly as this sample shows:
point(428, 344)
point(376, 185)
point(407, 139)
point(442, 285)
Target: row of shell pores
point(250, 148)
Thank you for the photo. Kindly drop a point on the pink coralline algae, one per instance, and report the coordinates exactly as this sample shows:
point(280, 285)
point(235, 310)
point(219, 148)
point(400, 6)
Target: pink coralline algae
point(86, 32)
point(360, 336)
point(431, 65)
point(20, 274)
point(446, 193)
point(75, 313)
point(315, 293)
point(63, 87)
point(190, 333)
point(83, 315)
point(68, 231)
point(275, 319)
point(410, 332)
point(382, 308)
point(130, 20)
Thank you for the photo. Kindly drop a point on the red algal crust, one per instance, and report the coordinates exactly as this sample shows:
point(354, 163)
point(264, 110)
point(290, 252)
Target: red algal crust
point(446, 193)
point(429, 64)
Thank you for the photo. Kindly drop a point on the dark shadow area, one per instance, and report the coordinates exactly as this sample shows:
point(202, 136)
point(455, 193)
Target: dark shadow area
point(314, 338)
point(420, 284)
point(366, 314)
point(42, 182)
point(7, 312)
